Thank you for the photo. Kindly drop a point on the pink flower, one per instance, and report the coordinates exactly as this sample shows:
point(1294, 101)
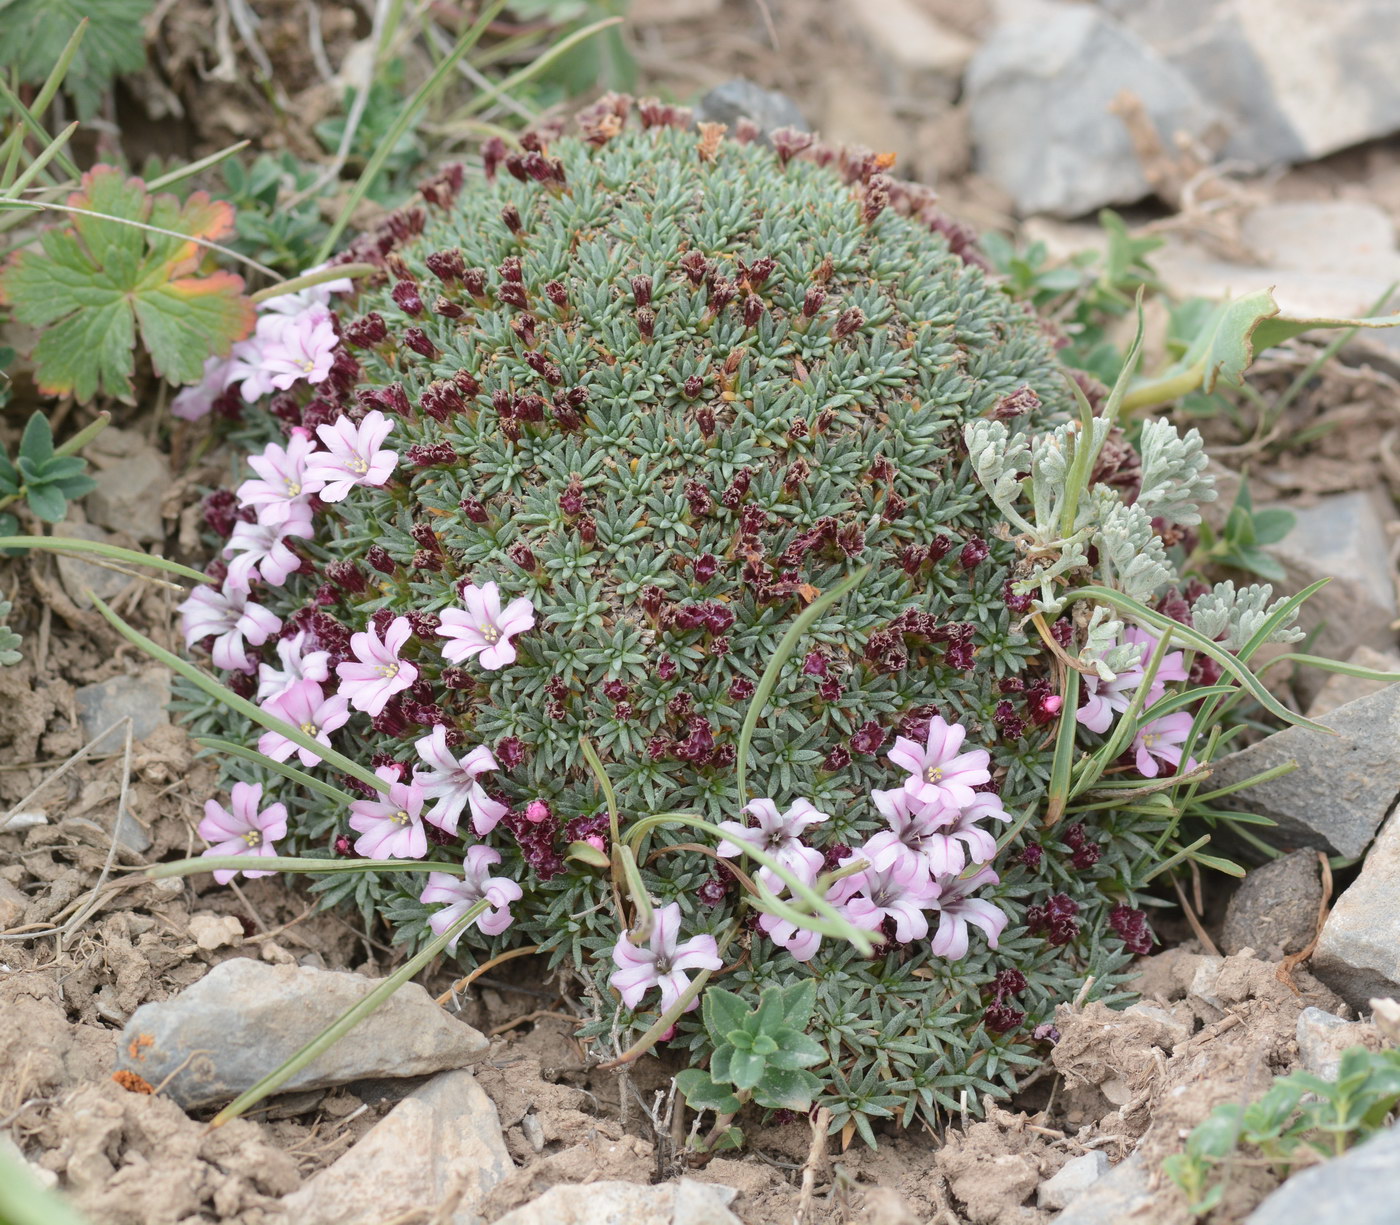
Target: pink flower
point(462, 893)
point(663, 962)
point(352, 455)
point(801, 942)
point(296, 666)
point(282, 488)
point(312, 298)
point(452, 782)
point(379, 673)
point(902, 891)
point(195, 401)
point(244, 831)
point(956, 910)
point(285, 349)
point(304, 706)
point(230, 617)
point(260, 550)
point(937, 771)
point(391, 828)
point(1106, 697)
point(942, 838)
point(780, 836)
point(1162, 739)
point(484, 630)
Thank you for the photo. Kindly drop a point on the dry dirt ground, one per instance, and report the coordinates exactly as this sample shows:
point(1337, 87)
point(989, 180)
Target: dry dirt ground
point(83, 942)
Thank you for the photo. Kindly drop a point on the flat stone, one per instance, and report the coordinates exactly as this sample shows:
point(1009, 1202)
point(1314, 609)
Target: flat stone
point(1039, 94)
point(1339, 689)
point(245, 1018)
point(667, 12)
point(143, 698)
point(13, 904)
point(1358, 1188)
point(78, 577)
point(919, 57)
point(1072, 1179)
point(443, 1141)
point(742, 98)
point(1123, 1194)
point(1358, 952)
point(683, 1202)
point(1274, 911)
point(132, 477)
point(1344, 784)
point(1323, 1036)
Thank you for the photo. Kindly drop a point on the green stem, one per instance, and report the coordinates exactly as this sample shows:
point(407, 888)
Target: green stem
point(76, 544)
point(291, 863)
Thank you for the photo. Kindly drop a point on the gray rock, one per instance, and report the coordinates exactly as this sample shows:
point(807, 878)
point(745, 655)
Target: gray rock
point(918, 56)
point(440, 1144)
point(1039, 94)
point(13, 904)
point(1294, 79)
point(143, 698)
point(1339, 689)
point(1072, 1179)
point(1358, 952)
point(1358, 1188)
point(78, 576)
point(1274, 911)
point(1123, 1194)
point(132, 478)
point(1323, 1036)
point(1344, 784)
point(245, 1018)
point(684, 1202)
point(739, 98)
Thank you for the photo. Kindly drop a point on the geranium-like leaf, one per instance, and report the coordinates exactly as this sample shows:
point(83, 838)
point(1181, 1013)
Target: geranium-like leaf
point(98, 281)
point(37, 30)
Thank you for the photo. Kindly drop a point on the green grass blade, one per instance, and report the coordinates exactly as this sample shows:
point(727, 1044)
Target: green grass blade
point(75, 544)
point(293, 863)
point(637, 891)
point(309, 279)
point(85, 435)
point(230, 699)
point(300, 777)
point(25, 1201)
point(421, 97)
point(15, 142)
point(539, 64)
point(1063, 761)
point(769, 680)
point(347, 1021)
point(35, 129)
point(37, 166)
point(180, 173)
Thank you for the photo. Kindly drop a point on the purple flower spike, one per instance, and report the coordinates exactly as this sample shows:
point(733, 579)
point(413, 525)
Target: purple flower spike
point(462, 893)
point(663, 962)
point(392, 827)
point(243, 830)
point(484, 629)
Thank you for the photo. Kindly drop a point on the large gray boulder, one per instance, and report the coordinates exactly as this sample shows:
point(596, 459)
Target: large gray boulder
point(1360, 1187)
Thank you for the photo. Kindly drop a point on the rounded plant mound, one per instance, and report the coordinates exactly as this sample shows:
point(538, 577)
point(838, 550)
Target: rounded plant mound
point(612, 419)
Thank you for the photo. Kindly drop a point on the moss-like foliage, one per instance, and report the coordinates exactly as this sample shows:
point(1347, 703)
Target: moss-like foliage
point(672, 389)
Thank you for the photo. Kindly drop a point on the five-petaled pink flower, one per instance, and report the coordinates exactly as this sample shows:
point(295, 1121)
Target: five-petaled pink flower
point(778, 834)
point(901, 891)
point(304, 706)
point(801, 942)
point(391, 827)
point(452, 782)
point(298, 664)
point(484, 629)
point(377, 672)
point(1103, 698)
point(353, 455)
point(663, 962)
point(461, 893)
point(281, 487)
point(1163, 739)
point(260, 550)
point(283, 350)
point(242, 829)
point(937, 771)
point(956, 909)
point(229, 616)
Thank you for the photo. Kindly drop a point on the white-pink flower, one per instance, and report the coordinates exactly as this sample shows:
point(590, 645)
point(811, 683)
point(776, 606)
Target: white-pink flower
point(461, 893)
point(1104, 698)
point(901, 891)
point(1162, 739)
point(377, 673)
point(281, 489)
point(937, 771)
point(193, 402)
point(285, 349)
point(260, 550)
point(801, 942)
point(956, 910)
point(778, 834)
point(298, 664)
point(484, 629)
point(391, 827)
point(242, 829)
point(311, 298)
point(229, 617)
point(452, 782)
point(304, 706)
point(353, 455)
point(663, 962)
